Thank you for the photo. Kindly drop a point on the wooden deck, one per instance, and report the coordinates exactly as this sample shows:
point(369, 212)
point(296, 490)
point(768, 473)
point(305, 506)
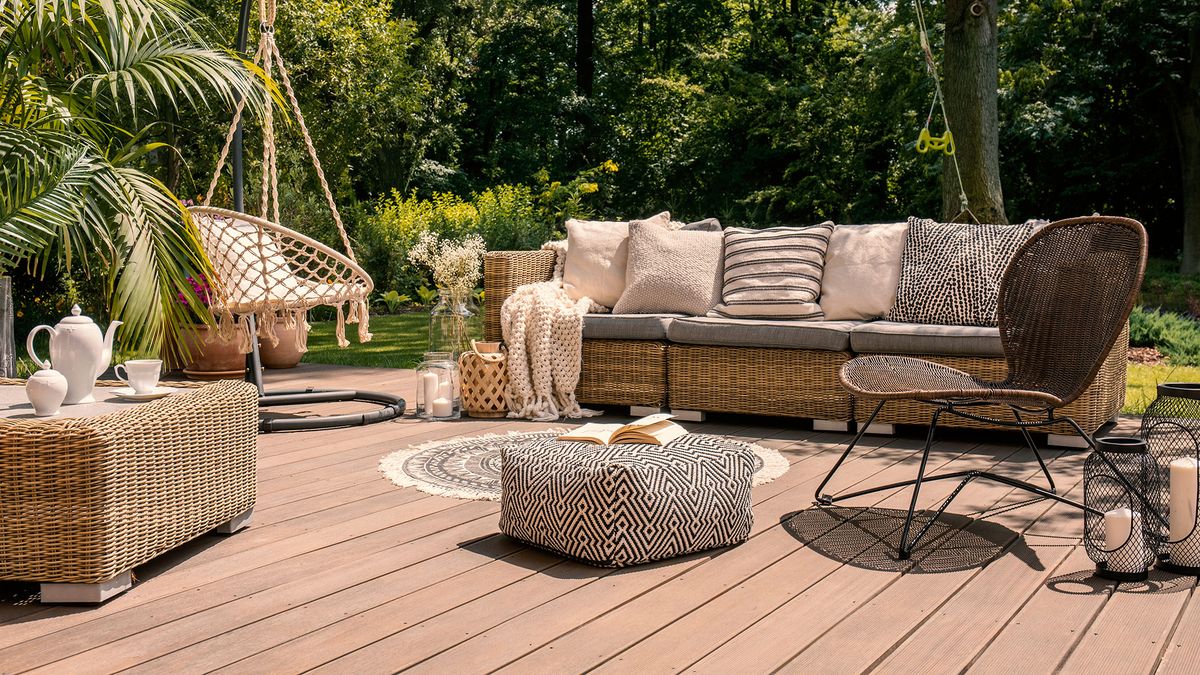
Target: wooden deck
point(343, 572)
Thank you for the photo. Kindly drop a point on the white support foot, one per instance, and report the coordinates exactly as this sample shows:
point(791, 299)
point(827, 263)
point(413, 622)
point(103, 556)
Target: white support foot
point(882, 429)
point(238, 522)
point(1065, 441)
point(644, 410)
point(830, 425)
point(91, 594)
point(689, 415)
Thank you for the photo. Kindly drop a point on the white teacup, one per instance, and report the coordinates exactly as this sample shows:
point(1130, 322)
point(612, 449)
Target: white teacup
point(140, 374)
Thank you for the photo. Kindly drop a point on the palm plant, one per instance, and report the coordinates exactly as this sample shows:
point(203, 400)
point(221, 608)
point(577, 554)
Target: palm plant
point(84, 88)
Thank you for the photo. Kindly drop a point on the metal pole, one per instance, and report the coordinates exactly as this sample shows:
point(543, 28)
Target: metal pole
point(238, 176)
point(253, 363)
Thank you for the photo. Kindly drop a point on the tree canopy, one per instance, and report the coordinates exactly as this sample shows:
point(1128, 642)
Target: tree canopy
point(754, 111)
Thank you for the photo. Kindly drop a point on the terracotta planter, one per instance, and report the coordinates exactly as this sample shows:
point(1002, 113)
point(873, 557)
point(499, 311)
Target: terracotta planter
point(284, 354)
point(219, 359)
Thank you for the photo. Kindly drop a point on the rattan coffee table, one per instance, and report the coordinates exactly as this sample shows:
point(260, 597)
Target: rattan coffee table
point(84, 499)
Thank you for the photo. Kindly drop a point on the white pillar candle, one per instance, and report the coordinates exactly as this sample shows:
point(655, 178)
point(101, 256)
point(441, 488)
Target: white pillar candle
point(446, 387)
point(441, 407)
point(429, 384)
point(1124, 542)
point(1185, 536)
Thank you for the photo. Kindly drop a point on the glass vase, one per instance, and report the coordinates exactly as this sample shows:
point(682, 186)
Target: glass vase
point(438, 387)
point(453, 323)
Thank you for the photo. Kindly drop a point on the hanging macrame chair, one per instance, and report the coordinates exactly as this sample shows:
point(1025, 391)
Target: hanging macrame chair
point(267, 275)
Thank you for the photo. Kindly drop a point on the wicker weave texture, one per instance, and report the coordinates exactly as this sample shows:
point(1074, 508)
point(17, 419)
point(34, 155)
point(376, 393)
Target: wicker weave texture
point(782, 382)
point(1098, 404)
point(623, 372)
point(484, 378)
point(503, 273)
point(82, 500)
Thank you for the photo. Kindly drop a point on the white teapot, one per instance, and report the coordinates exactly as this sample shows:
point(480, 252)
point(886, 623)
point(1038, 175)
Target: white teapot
point(78, 351)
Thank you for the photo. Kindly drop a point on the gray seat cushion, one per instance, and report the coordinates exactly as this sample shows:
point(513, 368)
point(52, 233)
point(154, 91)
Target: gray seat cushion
point(824, 335)
point(627, 326)
point(890, 337)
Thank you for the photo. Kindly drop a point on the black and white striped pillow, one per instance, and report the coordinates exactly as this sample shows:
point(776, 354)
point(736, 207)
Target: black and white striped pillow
point(773, 273)
point(950, 273)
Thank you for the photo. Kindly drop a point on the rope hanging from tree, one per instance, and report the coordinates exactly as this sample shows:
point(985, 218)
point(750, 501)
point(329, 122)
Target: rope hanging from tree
point(263, 268)
point(926, 141)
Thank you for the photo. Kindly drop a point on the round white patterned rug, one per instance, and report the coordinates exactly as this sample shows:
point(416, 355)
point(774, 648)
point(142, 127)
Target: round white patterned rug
point(469, 468)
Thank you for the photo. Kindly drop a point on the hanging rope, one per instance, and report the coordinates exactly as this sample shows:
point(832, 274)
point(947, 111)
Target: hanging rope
point(268, 57)
point(926, 141)
point(290, 273)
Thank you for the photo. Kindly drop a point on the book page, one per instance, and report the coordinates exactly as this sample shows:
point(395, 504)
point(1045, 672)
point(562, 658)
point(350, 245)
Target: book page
point(592, 433)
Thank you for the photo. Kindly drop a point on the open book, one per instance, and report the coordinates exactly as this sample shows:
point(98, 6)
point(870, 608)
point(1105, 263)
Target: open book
point(652, 430)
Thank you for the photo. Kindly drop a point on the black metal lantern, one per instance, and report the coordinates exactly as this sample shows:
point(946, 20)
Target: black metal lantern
point(1122, 523)
point(1171, 429)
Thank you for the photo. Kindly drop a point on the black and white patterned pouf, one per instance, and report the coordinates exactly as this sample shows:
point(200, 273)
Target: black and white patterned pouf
point(622, 505)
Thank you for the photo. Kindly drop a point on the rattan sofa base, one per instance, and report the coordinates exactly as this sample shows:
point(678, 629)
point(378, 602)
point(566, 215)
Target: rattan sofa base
point(623, 372)
point(83, 501)
point(1099, 404)
point(756, 381)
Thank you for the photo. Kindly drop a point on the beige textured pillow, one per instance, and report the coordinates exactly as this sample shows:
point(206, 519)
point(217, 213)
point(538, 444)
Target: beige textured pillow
point(671, 271)
point(597, 253)
point(862, 270)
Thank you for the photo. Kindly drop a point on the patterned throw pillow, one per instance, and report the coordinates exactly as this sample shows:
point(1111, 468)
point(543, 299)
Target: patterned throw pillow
point(773, 273)
point(950, 273)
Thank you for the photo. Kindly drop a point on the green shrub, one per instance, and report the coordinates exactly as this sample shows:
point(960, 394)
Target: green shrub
point(508, 217)
point(1166, 288)
point(1175, 335)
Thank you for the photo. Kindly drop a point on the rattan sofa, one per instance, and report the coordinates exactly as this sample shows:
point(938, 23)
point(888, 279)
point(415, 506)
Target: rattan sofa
point(83, 501)
point(730, 366)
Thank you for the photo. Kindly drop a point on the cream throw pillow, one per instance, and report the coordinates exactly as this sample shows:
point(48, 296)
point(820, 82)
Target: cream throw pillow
point(671, 272)
point(862, 270)
point(597, 254)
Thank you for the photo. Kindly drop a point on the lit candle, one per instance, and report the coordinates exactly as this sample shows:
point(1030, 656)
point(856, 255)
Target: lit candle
point(442, 407)
point(1124, 542)
point(1185, 536)
point(429, 384)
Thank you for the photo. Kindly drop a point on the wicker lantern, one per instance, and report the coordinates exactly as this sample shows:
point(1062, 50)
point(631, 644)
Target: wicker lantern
point(1171, 429)
point(484, 374)
point(437, 387)
point(1122, 523)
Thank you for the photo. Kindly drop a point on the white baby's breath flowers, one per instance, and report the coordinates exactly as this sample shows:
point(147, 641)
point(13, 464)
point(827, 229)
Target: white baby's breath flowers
point(457, 266)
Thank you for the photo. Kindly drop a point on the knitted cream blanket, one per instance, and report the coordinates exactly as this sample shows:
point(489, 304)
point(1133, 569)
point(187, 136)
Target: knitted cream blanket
point(543, 328)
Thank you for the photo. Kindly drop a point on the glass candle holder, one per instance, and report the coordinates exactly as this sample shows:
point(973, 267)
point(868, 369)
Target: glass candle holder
point(437, 387)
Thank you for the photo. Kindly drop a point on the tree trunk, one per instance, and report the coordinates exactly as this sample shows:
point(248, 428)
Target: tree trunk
point(1184, 107)
point(585, 39)
point(970, 82)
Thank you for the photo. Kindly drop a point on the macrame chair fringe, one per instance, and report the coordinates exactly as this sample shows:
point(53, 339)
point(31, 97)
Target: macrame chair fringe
point(263, 269)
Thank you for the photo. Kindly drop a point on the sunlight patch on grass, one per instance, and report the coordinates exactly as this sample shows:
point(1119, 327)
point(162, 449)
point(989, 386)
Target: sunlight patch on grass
point(1142, 380)
point(399, 342)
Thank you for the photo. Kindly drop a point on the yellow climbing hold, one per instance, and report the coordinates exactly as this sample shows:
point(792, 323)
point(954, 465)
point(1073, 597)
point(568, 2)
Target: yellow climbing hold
point(943, 143)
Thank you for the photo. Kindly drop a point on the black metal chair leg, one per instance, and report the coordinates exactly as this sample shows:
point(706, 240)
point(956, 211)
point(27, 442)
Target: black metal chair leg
point(824, 499)
point(905, 550)
point(1036, 452)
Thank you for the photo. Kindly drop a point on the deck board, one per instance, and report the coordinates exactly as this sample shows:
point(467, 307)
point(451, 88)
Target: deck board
point(345, 573)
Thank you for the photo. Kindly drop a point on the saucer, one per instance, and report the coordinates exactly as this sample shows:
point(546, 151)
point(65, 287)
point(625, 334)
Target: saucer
point(129, 394)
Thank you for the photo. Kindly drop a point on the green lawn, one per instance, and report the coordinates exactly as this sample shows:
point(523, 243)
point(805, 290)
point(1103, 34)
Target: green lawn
point(400, 341)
